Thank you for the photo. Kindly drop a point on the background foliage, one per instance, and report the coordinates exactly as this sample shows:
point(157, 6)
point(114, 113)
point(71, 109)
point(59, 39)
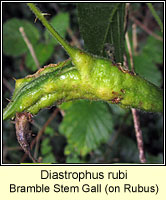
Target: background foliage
point(83, 132)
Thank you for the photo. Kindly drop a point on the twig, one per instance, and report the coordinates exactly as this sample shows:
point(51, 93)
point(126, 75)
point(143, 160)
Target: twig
point(134, 112)
point(145, 28)
point(138, 135)
point(30, 47)
point(23, 132)
point(155, 15)
point(126, 17)
point(37, 139)
point(135, 43)
point(130, 51)
point(7, 84)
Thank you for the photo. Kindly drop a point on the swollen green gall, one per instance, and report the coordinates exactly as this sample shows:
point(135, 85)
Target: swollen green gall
point(83, 76)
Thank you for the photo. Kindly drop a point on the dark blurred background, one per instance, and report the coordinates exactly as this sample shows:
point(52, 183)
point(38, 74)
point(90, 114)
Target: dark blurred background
point(121, 146)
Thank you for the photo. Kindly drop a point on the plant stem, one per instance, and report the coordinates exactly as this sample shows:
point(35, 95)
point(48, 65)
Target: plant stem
point(39, 134)
point(130, 51)
point(37, 139)
point(30, 47)
point(136, 120)
point(70, 50)
point(145, 28)
point(155, 15)
point(7, 84)
point(138, 136)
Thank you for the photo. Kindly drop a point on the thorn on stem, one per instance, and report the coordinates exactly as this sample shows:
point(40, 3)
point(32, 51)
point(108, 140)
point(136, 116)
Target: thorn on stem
point(8, 99)
point(43, 15)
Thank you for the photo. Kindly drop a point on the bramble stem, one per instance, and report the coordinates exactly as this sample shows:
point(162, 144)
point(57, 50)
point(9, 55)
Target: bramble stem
point(136, 120)
point(70, 50)
point(139, 137)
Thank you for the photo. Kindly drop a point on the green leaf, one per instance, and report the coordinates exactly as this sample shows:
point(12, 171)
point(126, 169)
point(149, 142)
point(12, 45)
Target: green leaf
point(13, 43)
point(102, 23)
point(86, 125)
point(43, 53)
point(145, 62)
point(61, 23)
point(65, 105)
